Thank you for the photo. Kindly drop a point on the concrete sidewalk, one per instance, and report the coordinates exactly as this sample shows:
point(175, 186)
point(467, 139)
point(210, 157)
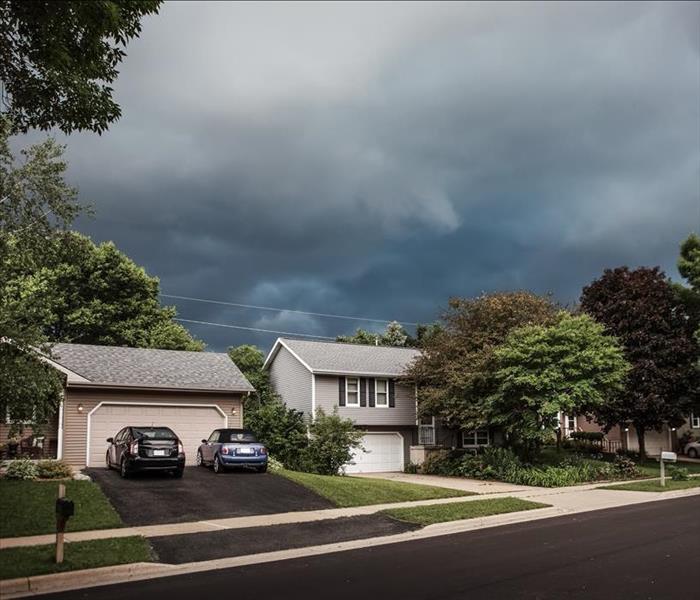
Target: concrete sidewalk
point(573, 499)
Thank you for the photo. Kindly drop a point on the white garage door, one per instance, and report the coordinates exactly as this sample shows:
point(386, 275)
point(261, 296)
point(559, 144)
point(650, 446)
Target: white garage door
point(383, 453)
point(192, 424)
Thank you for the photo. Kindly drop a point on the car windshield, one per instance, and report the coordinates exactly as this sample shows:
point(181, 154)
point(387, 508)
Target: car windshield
point(239, 437)
point(154, 433)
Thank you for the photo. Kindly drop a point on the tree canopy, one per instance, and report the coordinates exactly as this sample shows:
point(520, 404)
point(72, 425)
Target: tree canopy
point(570, 367)
point(639, 307)
point(58, 60)
point(456, 372)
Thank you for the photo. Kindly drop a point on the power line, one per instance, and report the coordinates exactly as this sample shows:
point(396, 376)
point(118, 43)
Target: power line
point(324, 337)
point(291, 310)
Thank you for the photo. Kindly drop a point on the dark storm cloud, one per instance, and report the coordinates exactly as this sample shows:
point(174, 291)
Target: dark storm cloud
point(374, 159)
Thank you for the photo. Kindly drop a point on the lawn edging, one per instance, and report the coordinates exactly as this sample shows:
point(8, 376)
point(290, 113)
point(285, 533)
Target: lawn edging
point(654, 485)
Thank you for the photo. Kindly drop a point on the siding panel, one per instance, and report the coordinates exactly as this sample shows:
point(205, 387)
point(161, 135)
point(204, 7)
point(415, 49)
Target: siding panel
point(404, 413)
point(292, 381)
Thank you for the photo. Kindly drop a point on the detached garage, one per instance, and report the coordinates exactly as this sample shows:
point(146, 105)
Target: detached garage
point(108, 388)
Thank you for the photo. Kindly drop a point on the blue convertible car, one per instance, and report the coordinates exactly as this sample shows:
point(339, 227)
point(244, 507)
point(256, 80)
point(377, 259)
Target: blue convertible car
point(232, 448)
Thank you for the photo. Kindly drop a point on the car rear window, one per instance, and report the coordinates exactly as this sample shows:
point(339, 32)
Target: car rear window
point(154, 433)
point(238, 437)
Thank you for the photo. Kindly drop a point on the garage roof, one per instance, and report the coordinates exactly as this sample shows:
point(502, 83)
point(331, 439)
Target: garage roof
point(150, 368)
point(347, 359)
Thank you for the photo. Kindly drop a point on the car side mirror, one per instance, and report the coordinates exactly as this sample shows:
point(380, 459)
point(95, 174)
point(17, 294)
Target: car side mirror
point(110, 440)
point(204, 441)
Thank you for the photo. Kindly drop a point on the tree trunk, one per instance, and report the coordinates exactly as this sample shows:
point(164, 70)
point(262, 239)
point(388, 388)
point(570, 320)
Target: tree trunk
point(642, 442)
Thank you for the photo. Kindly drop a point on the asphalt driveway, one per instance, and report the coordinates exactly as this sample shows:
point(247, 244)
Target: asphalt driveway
point(150, 499)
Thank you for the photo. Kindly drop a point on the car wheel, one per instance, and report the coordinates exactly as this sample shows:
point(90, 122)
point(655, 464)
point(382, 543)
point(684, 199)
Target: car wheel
point(200, 459)
point(124, 469)
point(693, 453)
point(109, 465)
point(262, 469)
point(177, 473)
point(218, 467)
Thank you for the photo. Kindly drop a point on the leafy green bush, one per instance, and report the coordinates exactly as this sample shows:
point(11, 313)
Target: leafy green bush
point(281, 429)
point(22, 468)
point(590, 436)
point(332, 442)
point(678, 473)
point(411, 468)
point(53, 469)
point(273, 464)
point(625, 467)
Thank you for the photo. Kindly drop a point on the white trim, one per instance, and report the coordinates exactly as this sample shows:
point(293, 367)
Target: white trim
point(386, 392)
point(359, 400)
point(476, 437)
point(694, 421)
point(72, 376)
point(358, 373)
point(313, 397)
point(275, 349)
point(117, 403)
point(59, 450)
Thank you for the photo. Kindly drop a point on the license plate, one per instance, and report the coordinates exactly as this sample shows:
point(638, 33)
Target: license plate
point(159, 453)
point(246, 451)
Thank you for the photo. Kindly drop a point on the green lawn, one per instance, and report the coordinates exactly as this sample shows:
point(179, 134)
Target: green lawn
point(655, 485)
point(439, 513)
point(650, 467)
point(39, 560)
point(357, 491)
point(28, 507)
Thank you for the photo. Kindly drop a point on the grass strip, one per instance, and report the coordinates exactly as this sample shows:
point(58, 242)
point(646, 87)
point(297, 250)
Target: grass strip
point(345, 491)
point(654, 485)
point(26, 561)
point(457, 511)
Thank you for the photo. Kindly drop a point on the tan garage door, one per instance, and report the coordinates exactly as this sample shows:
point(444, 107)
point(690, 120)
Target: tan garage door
point(192, 424)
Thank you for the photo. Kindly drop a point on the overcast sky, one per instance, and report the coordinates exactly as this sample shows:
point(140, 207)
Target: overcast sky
point(376, 159)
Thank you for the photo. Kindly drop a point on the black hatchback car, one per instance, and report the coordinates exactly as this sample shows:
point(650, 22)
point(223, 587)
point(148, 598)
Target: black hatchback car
point(146, 449)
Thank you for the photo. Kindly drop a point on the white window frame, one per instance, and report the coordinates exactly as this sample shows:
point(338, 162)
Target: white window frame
point(694, 421)
point(347, 400)
point(475, 438)
point(386, 393)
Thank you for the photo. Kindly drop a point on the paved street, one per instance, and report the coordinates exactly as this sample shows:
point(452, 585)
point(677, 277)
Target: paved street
point(641, 551)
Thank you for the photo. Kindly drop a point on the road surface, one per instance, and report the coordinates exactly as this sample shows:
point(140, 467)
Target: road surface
point(645, 551)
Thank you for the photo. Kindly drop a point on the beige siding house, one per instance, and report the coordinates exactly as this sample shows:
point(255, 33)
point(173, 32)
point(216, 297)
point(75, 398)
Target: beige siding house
point(109, 387)
point(365, 384)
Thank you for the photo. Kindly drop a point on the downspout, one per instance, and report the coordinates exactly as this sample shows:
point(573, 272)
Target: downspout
point(59, 450)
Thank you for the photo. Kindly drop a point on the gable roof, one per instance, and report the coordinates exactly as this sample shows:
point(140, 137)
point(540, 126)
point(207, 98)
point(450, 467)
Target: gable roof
point(340, 358)
point(149, 368)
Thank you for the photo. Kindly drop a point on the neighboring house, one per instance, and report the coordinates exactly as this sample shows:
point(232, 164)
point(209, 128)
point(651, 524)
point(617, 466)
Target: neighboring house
point(109, 387)
point(666, 439)
point(364, 383)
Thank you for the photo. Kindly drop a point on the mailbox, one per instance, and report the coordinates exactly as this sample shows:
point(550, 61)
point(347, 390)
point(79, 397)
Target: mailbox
point(669, 456)
point(64, 509)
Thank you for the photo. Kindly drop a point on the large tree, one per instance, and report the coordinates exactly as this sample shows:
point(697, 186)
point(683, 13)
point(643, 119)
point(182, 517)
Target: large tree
point(58, 60)
point(456, 372)
point(250, 359)
point(569, 367)
point(95, 294)
point(639, 307)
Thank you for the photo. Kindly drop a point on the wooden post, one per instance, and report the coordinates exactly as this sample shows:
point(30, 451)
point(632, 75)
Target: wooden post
point(60, 527)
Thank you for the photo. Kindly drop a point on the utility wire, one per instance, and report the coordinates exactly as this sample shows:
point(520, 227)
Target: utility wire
point(324, 337)
point(301, 312)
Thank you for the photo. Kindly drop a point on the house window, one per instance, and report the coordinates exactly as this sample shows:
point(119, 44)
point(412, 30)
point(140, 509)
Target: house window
point(695, 420)
point(352, 391)
point(381, 392)
point(480, 437)
point(571, 423)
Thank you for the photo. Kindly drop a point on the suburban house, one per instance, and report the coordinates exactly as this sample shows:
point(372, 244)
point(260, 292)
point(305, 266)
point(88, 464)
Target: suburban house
point(109, 387)
point(364, 383)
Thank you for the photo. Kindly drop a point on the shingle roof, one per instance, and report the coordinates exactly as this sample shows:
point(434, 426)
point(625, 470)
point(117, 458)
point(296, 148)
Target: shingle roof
point(145, 367)
point(341, 358)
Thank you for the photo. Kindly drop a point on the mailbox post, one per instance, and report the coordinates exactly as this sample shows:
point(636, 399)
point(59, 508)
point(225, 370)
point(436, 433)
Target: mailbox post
point(64, 510)
point(666, 457)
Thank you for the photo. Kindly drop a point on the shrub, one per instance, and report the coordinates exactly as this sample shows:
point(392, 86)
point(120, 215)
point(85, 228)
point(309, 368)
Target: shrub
point(678, 473)
point(332, 442)
point(625, 467)
point(589, 436)
point(411, 468)
point(281, 429)
point(54, 469)
point(22, 468)
point(273, 464)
